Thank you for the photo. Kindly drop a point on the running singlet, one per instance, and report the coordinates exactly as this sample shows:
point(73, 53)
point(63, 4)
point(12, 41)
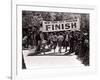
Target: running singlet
point(54, 37)
point(60, 38)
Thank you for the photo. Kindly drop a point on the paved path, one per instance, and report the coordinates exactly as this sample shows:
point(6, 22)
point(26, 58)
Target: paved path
point(47, 61)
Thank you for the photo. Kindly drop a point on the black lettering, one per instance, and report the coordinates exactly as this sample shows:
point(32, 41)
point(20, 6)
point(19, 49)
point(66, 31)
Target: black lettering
point(73, 25)
point(47, 27)
point(47, 22)
point(57, 26)
point(67, 26)
point(62, 26)
point(52, 27)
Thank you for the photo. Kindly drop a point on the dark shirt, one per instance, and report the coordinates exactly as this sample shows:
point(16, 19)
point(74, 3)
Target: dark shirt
point(38, 37)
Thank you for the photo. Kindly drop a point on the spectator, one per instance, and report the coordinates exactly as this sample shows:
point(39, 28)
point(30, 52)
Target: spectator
point(71, 42)
point(24, 42)
point(38, 42)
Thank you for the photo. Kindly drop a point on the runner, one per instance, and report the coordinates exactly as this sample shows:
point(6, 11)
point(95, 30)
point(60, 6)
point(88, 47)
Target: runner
point(54, 39)
point(66, 41)
point(60, 40)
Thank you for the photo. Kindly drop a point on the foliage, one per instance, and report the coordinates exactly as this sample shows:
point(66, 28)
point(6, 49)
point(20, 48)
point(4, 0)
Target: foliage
point(34, 19)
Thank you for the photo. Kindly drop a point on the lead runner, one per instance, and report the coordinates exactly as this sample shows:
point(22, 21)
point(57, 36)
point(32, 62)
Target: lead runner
point(60, 40)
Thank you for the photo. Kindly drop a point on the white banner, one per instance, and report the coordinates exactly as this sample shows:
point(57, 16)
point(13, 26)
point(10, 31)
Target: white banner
point(50, 26)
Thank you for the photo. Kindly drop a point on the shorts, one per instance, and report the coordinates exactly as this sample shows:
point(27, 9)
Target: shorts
point(60, 43)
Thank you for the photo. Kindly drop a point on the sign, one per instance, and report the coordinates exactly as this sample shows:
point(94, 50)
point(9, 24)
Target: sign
point(50, 26)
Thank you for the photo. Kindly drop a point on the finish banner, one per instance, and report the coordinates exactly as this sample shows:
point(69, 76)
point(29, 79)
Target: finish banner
point(50, 26)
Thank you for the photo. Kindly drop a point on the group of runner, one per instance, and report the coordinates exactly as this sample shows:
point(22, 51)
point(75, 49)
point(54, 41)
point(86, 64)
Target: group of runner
point(57, 39)
point(76, 41)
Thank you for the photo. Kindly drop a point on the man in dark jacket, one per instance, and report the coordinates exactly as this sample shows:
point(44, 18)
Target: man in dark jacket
point(71, 41)
point(38, 43)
